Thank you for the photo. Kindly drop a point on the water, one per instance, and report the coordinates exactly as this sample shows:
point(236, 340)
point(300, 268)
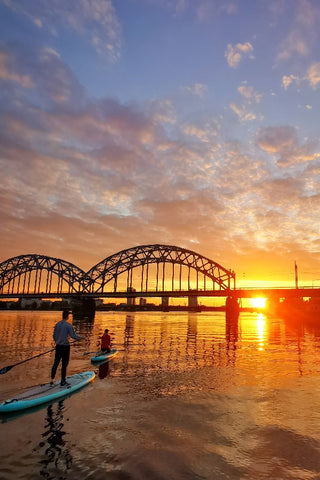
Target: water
point(188, 397)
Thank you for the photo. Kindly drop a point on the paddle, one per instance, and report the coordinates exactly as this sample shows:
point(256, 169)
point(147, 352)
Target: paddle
point(95, 351)
point(8, 367)
point(88, 353)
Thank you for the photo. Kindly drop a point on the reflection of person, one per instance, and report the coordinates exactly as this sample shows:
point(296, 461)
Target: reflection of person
point(106, 342)
point(57, 458)
point(61, 332)
point(103, 370)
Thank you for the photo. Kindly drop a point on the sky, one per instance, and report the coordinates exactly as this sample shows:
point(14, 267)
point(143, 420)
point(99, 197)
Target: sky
point(192, 123)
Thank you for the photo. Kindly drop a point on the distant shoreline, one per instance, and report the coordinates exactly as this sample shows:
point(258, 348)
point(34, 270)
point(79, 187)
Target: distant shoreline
point(58, 306)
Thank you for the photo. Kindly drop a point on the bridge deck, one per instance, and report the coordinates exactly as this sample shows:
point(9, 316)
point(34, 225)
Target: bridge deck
point(279, 292)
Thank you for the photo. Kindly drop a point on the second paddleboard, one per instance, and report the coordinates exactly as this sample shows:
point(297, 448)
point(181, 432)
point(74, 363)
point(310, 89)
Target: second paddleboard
point(100, 356)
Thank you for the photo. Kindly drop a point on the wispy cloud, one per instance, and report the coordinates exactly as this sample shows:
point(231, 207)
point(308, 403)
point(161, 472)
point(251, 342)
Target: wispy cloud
point(208, 10)
point(245, 110)
point(295, 43)
point(197, 89)
point(282, 142)
point(312, 77)
point(303, 33)
point(95, 19)
point(242, 112)
point(44, 71)
point(7, 72)
point(249, 93)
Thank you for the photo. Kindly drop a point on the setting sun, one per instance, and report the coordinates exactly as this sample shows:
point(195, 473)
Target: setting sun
point(258, 302)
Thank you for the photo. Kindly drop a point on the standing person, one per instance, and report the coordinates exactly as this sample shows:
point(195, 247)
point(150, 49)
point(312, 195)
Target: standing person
point(106, 342)
point(61, 332)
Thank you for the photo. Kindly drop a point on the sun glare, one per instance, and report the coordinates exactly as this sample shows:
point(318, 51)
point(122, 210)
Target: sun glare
point(258, 302)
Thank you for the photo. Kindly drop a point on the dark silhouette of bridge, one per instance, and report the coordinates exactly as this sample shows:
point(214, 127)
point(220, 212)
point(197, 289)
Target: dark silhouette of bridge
point(144, 271)
point(140, 269)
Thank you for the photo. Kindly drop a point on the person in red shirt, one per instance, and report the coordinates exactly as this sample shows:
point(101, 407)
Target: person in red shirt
point(106, 342)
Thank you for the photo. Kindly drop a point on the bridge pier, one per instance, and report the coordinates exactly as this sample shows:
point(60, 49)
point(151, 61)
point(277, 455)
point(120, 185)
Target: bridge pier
point(193, 302)
point(232, 307)
point(83, 308)
point(131, 300)
point(165, 303)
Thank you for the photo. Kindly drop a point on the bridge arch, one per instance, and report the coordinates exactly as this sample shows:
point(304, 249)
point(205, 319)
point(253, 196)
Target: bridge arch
point(125, 261)
point(39, 274)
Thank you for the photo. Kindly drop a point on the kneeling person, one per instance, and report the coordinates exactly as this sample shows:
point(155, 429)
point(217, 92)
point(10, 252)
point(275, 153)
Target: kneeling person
point(106, 342)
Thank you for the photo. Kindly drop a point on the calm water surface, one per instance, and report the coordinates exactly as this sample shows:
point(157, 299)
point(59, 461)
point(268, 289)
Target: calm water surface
point(190, 396)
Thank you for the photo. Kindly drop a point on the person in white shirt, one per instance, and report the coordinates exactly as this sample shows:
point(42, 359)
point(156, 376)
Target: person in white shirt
point(61, 333)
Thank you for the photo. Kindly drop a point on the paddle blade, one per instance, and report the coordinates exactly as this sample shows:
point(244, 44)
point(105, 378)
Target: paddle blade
point(5, 369)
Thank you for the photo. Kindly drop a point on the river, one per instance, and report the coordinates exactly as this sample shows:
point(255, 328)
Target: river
point(189, 396)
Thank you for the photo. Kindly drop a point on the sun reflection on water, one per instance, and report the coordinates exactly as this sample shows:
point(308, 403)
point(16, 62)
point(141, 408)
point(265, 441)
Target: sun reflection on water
point(261, 330)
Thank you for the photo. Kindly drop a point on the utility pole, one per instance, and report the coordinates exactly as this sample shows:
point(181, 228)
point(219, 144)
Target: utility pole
point(296, 273)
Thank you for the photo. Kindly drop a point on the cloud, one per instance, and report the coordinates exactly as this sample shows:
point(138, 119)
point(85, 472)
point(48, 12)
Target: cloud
point(235, 53)
point(303, 33)
point(242, 112)
point(102, 169)
point(249, 93)
point(313, 75)
point(276, 8)
point(230, 8)
point(287, 80)
point(95, 19)
point(295, 44)
point(101, 187)
point(197, 89)
point(204, 10)
point(42, 70)
point(283, 143)
point(275, 139)
point(84, 178)
point(207, 10)
point(7, 73)
point(196, 131)
point(162, 111)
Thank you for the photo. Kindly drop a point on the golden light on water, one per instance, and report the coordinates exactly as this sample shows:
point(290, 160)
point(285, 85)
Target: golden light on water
point(261, 330)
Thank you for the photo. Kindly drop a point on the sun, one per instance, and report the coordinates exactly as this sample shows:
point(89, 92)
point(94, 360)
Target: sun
point(258, 302)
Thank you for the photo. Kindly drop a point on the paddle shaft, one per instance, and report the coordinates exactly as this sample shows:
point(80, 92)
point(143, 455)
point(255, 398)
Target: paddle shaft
point(6, 369)
point(95, 351)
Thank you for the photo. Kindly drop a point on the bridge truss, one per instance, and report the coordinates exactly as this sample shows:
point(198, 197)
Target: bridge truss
point(214, 276)
point(146, 268)
point(39, 274)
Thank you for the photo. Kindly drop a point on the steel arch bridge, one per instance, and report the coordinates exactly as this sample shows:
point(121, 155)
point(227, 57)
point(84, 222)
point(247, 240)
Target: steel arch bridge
point(28, 275)
point(109, 269)
point(39, 274)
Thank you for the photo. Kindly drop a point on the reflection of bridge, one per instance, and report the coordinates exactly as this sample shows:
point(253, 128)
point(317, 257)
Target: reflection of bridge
point(145, 271)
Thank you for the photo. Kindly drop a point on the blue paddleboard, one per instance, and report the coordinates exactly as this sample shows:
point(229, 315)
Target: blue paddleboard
point(46, 393)
point(100, 357)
